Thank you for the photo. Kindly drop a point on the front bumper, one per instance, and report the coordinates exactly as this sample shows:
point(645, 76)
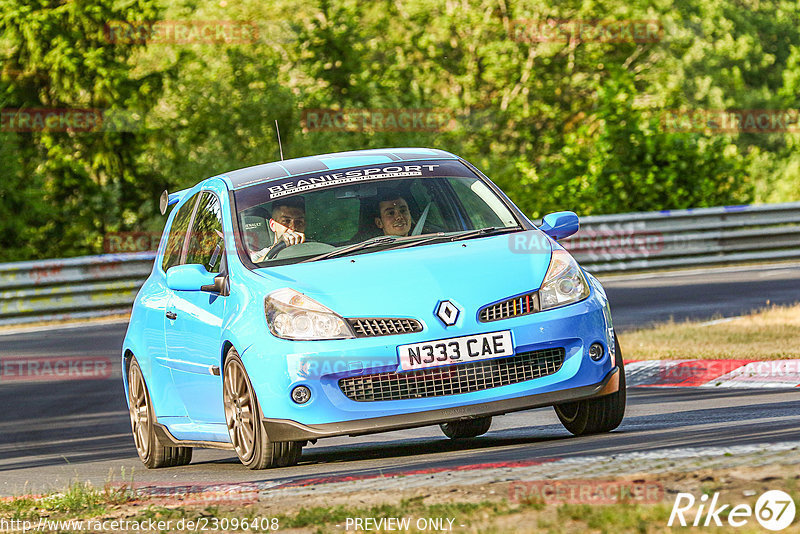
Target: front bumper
point(278, 366)
point(288, 430)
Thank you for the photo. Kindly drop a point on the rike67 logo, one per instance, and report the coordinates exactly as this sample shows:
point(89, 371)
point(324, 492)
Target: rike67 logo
point(774, 510)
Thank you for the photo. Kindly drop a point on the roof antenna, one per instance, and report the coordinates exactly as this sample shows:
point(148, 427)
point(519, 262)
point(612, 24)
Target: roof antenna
point(278, 130)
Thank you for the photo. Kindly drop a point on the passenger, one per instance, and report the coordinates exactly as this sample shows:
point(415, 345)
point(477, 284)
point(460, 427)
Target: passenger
point(288, 225)
point(393, 216)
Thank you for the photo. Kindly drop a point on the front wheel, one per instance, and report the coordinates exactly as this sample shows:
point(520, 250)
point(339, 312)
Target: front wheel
point(469, 428)
point(152, 453)
point(592, 416)
point(243, 418)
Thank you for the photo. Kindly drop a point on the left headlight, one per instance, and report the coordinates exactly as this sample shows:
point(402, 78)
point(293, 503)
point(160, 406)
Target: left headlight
point(564, 282)
point(292, 315)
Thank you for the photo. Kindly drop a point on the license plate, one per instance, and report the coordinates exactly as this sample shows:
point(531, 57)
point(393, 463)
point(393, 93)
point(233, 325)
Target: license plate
point(455, 350)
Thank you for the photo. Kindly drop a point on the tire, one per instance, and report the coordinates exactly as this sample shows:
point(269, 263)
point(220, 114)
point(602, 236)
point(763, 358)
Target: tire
point(153, 454)
point(593, 416)
point(243, 419)
point(469, 428)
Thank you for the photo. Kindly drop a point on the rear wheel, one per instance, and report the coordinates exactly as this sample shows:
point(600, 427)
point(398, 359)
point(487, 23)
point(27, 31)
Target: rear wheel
point(602, 414)
point(243, 418)
point(469, 428)
point(151, 452)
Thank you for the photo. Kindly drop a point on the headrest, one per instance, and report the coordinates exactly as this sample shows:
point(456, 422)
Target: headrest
point(257, 234)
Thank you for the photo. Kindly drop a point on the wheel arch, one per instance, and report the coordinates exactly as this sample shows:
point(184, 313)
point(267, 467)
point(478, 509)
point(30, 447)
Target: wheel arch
point(227, 345)
point(232, 338)
point(128, 353)
point(127, 356)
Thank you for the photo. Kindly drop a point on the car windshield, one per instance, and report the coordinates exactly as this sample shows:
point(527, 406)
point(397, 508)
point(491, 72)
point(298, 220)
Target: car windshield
point(355, 211)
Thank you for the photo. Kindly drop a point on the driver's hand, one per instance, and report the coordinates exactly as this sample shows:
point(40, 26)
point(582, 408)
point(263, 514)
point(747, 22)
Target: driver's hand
point(290, 237)
point(260, 255)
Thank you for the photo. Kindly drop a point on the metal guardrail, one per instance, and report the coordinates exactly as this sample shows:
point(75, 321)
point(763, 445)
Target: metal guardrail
point(93, 286)
point(687, 238)
point(73, 288)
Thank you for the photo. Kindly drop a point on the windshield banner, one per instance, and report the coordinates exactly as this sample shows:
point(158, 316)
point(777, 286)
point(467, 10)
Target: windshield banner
point(299, 184)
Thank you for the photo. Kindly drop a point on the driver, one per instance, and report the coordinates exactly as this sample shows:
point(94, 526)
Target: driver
point(288, 225)
point(393, 216)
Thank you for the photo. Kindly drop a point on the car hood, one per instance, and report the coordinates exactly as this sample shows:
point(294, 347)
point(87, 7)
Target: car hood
point(412, 281)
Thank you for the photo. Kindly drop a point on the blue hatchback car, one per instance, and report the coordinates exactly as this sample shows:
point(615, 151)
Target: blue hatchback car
point(355, 293)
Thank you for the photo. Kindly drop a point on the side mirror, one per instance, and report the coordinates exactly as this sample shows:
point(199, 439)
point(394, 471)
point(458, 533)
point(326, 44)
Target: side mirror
point(190, 277)
point(560, 224)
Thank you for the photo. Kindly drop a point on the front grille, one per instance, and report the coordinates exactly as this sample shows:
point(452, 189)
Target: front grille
point(375, 326)
point(522, 305)
point(453, 379)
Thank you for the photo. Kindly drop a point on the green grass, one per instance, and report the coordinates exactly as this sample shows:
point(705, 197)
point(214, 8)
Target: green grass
point(319, 516)
point(79, 500)
point(82, 501)
point(620, 517)
point(624, 516)
point(769, 334)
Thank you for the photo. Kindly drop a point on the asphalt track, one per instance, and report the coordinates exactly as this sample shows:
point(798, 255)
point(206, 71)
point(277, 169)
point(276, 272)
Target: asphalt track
point(52, 433)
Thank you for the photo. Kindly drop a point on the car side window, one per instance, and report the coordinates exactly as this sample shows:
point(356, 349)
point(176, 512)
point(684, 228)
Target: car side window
point(177, 233)
point(206, 243)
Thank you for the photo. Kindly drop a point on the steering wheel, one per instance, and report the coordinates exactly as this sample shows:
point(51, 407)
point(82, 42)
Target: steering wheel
point(276, 249)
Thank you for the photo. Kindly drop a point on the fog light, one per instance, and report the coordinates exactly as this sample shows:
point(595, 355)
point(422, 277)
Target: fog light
point(301, 394)
point(596, 352)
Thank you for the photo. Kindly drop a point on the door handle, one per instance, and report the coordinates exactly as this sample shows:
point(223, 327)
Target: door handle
point(172, 315)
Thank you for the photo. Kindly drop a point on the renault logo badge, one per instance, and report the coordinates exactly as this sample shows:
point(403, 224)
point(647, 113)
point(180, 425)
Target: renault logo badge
point(447, 312)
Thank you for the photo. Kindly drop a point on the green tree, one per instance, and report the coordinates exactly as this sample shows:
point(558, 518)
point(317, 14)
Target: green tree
point(558, 125)
point(623, 160)
point(56, 55)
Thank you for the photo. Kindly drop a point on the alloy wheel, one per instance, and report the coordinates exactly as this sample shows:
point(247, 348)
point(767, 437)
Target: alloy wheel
point(139, 411)
point(240, 413)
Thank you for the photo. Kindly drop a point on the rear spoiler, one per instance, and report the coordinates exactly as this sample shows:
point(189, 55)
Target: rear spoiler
point(168, 199)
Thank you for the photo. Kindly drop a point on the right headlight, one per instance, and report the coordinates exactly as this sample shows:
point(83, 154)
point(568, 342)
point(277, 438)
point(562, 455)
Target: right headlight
point(564, 282)
point(292, 315)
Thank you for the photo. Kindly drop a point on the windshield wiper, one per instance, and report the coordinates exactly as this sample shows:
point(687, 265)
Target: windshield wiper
point(439, 236)
point(411, 241)
point(489, 230)
point(375, 241)
point(457, 236)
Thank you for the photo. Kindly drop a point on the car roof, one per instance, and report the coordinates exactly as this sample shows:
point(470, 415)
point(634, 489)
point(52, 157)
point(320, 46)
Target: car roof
point(324, 162)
